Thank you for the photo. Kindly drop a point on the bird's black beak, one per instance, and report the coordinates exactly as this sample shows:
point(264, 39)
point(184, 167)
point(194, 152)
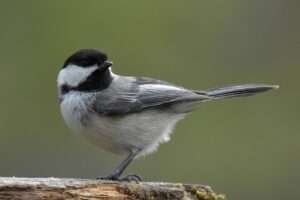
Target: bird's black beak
point(107, 64)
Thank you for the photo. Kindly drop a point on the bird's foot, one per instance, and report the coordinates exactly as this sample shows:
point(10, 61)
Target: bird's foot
point(132, 178)
point(129, 178)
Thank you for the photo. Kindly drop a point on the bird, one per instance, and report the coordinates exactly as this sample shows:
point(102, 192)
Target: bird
point(127, 115)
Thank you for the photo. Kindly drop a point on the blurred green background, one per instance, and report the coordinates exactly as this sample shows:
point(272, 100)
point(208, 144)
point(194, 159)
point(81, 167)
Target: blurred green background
point(246, 148)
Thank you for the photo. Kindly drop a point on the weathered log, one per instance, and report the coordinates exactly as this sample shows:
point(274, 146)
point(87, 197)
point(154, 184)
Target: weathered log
point(81, 189)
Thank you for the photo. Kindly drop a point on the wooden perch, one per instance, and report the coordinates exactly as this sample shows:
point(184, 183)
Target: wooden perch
point(80, 189)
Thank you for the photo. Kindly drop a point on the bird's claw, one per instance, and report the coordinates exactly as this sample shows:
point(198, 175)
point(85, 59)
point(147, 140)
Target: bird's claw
point(129, 178)
point(108, 178)
point(132, 178)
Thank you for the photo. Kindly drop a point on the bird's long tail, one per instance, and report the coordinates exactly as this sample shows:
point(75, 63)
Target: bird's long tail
point(237, 90)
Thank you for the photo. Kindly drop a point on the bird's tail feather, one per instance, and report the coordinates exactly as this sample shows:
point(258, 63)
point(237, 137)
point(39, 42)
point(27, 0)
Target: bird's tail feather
point(237, 90)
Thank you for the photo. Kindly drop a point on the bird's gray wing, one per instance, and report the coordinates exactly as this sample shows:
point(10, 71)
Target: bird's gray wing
point(152, 95)
point(116, 103)
point(144, 93)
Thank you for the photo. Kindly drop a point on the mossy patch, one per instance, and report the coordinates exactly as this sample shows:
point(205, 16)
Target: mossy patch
point(207, 195)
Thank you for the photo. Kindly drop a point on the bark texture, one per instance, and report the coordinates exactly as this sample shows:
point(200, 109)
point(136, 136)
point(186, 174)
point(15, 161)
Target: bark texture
point(81, 189)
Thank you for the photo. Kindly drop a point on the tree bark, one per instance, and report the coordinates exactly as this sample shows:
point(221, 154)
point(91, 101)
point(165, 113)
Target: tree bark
point(82, 189)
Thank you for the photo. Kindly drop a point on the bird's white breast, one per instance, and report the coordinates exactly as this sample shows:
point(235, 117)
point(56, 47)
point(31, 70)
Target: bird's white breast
point(74, 109)
point(119, 134)
point(145, 130)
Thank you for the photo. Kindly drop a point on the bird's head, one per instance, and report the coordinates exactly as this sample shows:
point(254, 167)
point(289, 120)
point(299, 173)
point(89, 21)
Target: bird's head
point(85, 70)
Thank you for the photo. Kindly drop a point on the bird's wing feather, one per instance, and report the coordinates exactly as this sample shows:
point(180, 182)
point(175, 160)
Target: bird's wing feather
point(143, 93)
point(156, 94)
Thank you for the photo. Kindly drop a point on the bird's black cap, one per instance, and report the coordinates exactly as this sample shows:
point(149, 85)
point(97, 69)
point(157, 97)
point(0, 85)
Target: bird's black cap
point(86, 58)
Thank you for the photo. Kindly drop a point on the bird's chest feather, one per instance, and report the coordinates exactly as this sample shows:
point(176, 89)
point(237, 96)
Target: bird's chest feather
point(143, 130)
point(76, 111)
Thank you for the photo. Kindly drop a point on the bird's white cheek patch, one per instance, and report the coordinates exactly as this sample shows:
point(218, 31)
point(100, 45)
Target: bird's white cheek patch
point(73, 75)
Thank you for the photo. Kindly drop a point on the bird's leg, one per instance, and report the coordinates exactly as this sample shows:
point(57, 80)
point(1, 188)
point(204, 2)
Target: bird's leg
point(115, 175)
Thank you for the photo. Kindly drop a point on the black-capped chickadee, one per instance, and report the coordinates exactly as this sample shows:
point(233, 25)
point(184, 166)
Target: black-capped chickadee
point(124, 114)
